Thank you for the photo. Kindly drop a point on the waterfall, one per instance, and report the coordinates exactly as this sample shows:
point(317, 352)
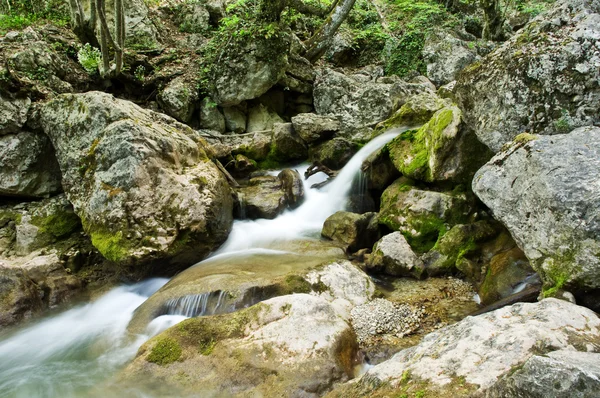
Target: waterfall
point(198, 304)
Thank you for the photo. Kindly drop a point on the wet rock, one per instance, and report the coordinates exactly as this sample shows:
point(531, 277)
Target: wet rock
point(141, 182)
point(505, 273)
point(559, 374)
point(288, 144)
point(20, 297)
point(13, 113)
point(379, 170)
point(422, 216)
point(393, 255)
point(28, 166)
point(179, 98)
point(446, 55)
point(483, 348)
point(268, 196)
point(311, 127)
point(354, 231)
point(334, 153)
point(543, 80)
point(561, 237)
point(211, 117)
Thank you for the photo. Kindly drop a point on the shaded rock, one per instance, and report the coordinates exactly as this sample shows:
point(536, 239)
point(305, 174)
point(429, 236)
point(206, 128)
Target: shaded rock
point(559, 374)
point(243, 165)
point(211, 117)
point(334, 153)
point(20, 297)
point(28, 166)
point(353, 231)
point(359, 100)
point(559, 238)
point(235, 119)
point(13, 113)
point(483, 348)
point(311, 127)
point(288, 144)
point(543, 80)
point(505, 272)
point(379, 170)
point(422, 216)
point(415, 112)
point(179, 98)
point(393, 255)
point(140, 31)
point(268, 196)
point(248, 69)
point(142, 187)
point(446, 56)
point(299, 74)
point(261, 118)
point(195, 18)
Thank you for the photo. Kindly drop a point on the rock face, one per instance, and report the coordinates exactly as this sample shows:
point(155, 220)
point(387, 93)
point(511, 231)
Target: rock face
point(288, 144)
point(483, 348)
point(13, 113)
point(334, 153)
point(211, 117)
point(143, 188)
point(179, 98)
point(28, 166)
point(560, 374)
point(560, 237)
point(311, 127)
point(446, 56)
point(353, 231)
point(393, 255)
point(359, 100)
point(268, 196)
point(248, 70)
point(294, 345)
point(544, 80)
point(421, 216)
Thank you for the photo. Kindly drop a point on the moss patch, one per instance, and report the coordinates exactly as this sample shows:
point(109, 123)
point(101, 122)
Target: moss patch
point(165, 351)
point(111, 245)
point(59, 224)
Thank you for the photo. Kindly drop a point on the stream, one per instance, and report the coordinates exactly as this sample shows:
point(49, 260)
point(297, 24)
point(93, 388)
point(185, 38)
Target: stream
point(74, 353)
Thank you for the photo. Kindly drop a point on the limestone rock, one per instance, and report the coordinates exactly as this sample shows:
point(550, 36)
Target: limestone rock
point(544, 80)
point(179, 98)
point(211, 117)
point(288, 144)
point(13, 113)
point(334, 153)
point(20, 298)
point(561, 172)
point(28, 166)
point(446, 55)
point(353, 231)
point(393, 255)
point(482, 348)
point(421, 216)
point(559, 374)
point(235, 119)
point(260, 118)
point(141, 182)
point(311, 127)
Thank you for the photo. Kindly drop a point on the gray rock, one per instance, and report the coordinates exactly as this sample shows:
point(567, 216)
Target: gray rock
point(179, 98)
point(446, 55)
point(311, 127)
point(235, 119)
point(393, 255)
point(20, 297)
point(482, 348)
point(260, 118)
point(141, 182)
point(28, 166)
point(288, 144)
point(211, 117)
point(560, 374)
point(140, 31)
point(334, 153)
point(360, 100)
point(354, 231)
point(13, 113)
point(544, 80)
point(545, 191)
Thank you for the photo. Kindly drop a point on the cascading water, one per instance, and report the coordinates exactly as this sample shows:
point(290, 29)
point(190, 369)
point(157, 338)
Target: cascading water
point(67, 355)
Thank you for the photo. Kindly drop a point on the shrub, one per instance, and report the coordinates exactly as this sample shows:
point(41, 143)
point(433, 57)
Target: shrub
point(89, 57)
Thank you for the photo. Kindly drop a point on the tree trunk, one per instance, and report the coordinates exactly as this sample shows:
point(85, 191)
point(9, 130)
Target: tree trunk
point(120, 35)
point(104, 33)
point(318, 43)
point(493, 19)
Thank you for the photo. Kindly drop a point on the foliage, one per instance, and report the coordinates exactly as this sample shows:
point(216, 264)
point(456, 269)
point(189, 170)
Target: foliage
point(89, 57)
point(19, 14)
point(139, 73)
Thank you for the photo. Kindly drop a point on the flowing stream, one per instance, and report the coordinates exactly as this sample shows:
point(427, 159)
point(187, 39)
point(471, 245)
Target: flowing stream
point(70, 354)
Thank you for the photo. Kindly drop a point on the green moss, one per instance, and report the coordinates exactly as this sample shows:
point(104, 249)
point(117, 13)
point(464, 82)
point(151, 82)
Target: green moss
point(206, 347)
point(429, 229)
point(557, 275)
point(297, 284)
point(524, 138)
point(59, 224)
point(111, 245)
point(165, 351)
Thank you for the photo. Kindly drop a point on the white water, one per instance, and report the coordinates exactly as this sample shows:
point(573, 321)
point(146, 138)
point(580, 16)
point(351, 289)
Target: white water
point(67, 355)
point(307, 219)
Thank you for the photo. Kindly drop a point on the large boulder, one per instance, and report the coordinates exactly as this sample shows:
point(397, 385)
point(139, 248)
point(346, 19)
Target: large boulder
point(359, 100)
point(261, 118)
point(353, 231)
point(311, 127)
point(422, 216)
point(142, 183)
point(446, 55)
point(178, 99)
point(287, 143)
point(28, 166)
point(544, 80)
point(211, 117)
point(292, 345)
point(545, 191)
point(334, 153)
point(13, 113)
point(468, 358)
point(393, 255)
point(249, 68)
